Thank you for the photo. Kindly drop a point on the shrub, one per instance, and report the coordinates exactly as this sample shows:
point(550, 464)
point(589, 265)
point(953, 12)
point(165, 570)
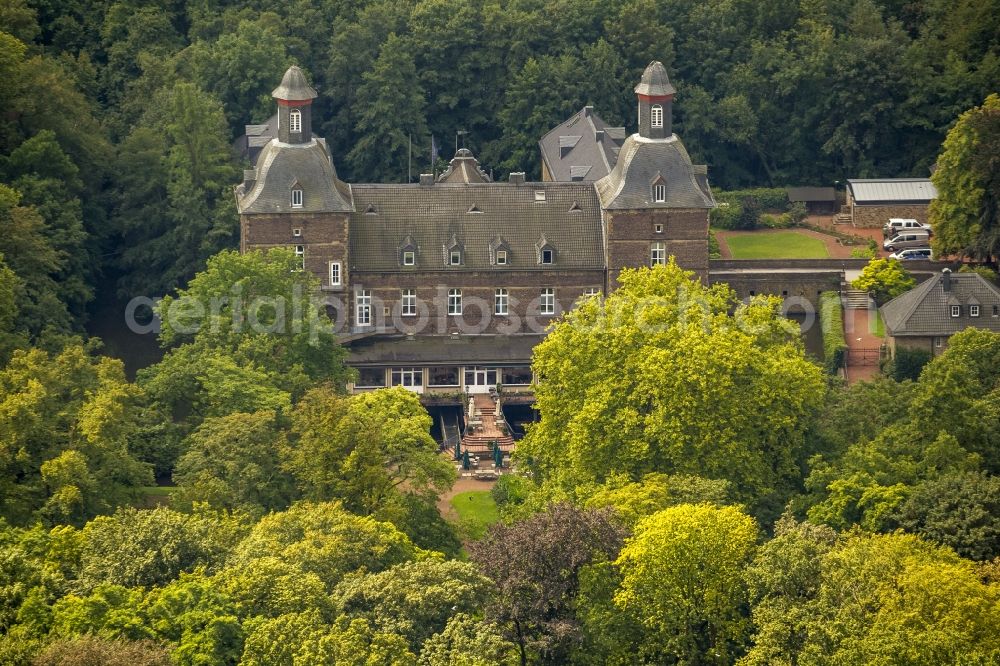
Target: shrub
point(714, 252)
point(798, 212)
point(769, 198)
point(831, 322)
point(726, 216)
point(907, 364)
point(782, 221)
point(985, 271)
point(868, 252)
point(749, 214)
point(885, 279)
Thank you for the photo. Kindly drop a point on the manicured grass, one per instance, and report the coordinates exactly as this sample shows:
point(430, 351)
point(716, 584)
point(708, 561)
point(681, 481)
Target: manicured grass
point(782, 245)
point(476, 511)
point(879, 325)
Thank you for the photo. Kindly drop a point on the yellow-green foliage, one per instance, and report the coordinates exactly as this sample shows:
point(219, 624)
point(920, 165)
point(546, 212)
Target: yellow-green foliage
point(831, 322)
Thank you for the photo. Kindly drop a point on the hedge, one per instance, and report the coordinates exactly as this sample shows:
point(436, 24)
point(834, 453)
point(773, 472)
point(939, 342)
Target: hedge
point(770, 198)
point(831, 323)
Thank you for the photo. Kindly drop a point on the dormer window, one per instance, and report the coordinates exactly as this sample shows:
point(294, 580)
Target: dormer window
point(956, 311)
point(659, 192)
point(296, 197)
point(455, 258)
point(453, 252)
point(409, 257)
point(548, 256)
point(295, 121)
point(973, 310)
point(656, 116)
point(501, 257)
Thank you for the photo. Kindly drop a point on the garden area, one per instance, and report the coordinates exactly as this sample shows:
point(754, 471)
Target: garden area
point(774, 245)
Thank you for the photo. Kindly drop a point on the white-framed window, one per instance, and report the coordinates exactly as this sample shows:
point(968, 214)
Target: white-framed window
point(297, 197)
point(657, 254)
point(295, 121)
point(501, 257)
point(591, 291)
point(335, 279)
point(938, 342)
point(408, 302)
point(500, 301)
point(548, 256)
point(409, 257)
point(296, 232)
point(973, 310)
point(659, 192)
point(300, 254)
point(658, 228)
point(454, 301)
point(406, 377)
point(548, 301)
point(656, 116)
point(455, 258)
point(363, 307)
point(956, 311)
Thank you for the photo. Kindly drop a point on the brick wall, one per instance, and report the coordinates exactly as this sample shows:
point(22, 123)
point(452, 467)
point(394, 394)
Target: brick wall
point(631, 235)
point(798, 287)
point(872, 217)
point(324, 236)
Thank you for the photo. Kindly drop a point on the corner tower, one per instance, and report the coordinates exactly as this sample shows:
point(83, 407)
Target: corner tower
point(294, 97)
point(656, 99)
point(655, 202)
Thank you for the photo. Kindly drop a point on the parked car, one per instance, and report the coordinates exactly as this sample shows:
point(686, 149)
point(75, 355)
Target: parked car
point(913, 253)
point(897, 225)
point(915, 238)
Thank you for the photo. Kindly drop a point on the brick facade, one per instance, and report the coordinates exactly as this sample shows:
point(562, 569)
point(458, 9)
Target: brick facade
point(632, 233)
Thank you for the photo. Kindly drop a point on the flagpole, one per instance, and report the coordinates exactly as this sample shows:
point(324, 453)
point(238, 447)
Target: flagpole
point(409, 159)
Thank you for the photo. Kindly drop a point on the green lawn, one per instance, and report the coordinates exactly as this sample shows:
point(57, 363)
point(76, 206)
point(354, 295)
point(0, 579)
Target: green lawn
point(879, 325)
point(782, 245)
point(476, 511)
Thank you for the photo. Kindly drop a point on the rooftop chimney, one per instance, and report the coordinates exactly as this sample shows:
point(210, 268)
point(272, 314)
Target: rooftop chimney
point(588, 111)
point(946, 279)
point(426, 179)
point(517, 178)
point(599, 136)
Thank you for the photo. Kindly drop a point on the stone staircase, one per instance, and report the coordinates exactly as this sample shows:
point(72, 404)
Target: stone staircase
point(844, 216)
point(855, 299)
point(478, 437)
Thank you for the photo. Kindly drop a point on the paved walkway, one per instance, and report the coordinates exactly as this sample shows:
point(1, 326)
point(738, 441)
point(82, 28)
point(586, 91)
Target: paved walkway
point(860, 336)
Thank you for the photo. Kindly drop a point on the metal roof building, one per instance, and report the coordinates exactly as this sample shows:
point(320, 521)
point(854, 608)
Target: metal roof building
point(888, 191)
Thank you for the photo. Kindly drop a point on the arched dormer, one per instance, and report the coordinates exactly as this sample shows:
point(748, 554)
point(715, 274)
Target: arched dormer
point(546, 251)
point(499, 252)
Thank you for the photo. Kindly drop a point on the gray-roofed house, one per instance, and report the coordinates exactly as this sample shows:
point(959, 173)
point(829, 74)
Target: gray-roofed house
point(410, 271)
point(873, 202)
point(926, 316)
point(584, 148)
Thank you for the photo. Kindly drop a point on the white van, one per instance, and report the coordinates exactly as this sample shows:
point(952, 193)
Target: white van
point(897, 225)
point(913, 238)
point(913, 253)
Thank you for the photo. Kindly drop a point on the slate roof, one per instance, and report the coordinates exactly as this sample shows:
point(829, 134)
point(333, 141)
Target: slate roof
point(294, 86)
point(583, 140)
point(458, 350)
point(925, 310)
point(654, 81)
point(892, 190)
point(811, 194)
point(464, 168)
point(282, 165)
point(642, 161)
point(433, 214)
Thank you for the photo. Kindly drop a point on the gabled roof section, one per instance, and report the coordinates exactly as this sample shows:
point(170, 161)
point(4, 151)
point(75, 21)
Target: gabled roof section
point(583, 142)
point(870, 191)
point(464, 168)
point(640, 163)
point(279, 166)
point(435, 215)
point(925, 309)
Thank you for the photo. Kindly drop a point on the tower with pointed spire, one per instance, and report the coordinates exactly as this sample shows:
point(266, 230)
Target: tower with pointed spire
point(656, 97)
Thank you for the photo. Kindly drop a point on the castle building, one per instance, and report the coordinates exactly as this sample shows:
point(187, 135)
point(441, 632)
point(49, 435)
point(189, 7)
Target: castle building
point(447, 284)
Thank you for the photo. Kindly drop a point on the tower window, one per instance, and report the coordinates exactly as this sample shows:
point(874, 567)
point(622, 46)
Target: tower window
point(335, 274)
point(656, 116)
point(659, 192)
point(300, 254)
point(658, 228)
point(657, 254)
point(363, 307)
point(295, 121)
point(296, 232)
point(297, 197)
